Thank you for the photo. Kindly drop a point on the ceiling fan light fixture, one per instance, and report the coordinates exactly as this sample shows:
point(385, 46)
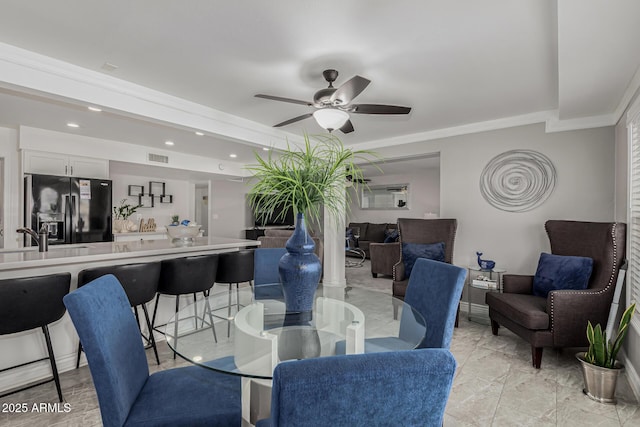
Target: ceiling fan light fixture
point(331, 118)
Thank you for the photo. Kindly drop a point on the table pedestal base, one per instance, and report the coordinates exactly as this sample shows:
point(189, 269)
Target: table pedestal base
point(256, 400)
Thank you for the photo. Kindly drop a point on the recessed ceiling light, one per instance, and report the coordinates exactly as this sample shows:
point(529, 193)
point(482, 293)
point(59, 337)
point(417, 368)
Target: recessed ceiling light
point(266, 148)
point(96, 109)
point(233, 156)
point(199, 133)
point(169, 142)
point(73, 125)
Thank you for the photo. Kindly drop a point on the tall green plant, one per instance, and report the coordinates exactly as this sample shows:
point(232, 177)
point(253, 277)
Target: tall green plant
point(602, 352)
point(306, 178)
point(125, 210)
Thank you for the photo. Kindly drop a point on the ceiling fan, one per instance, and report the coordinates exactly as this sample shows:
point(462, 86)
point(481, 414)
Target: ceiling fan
point(361, 180)
point(333, 105)
point(350, 178)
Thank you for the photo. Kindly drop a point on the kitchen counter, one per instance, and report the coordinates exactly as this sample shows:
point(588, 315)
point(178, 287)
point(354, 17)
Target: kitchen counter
point(83, 253)
point(26, 262)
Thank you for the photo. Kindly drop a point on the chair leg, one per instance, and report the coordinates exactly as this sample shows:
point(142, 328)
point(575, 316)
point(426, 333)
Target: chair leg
point(457, 316)
point(395, 310)
point(155, 311)
point(195, 309)
point(207, 308)
point(52, 359)
point(494, 327)
point(175, 325)
point(536, 356)
point(375, 275)
point(151, 338)
point(229, 312)
point(79, 354)
point(135, 311)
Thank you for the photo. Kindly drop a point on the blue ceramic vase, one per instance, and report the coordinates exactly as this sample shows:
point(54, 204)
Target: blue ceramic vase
point(300, 269)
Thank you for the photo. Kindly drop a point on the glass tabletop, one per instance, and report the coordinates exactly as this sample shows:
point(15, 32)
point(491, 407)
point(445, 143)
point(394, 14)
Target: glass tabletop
point(235, 333)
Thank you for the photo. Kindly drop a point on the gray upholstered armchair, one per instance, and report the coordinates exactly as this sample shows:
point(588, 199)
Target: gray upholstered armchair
point(423, 231)
point(560, 319)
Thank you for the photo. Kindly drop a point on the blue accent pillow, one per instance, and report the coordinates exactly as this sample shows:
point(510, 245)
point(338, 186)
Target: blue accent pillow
point(561, 272)
point(412, 251)
point(391, 235)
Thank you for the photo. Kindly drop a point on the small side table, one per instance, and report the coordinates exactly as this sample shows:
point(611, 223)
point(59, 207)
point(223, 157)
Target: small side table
point(358, 253)
point(474, 272)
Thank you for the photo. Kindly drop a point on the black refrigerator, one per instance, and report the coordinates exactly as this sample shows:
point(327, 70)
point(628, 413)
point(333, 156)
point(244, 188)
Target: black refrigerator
point(74, 210)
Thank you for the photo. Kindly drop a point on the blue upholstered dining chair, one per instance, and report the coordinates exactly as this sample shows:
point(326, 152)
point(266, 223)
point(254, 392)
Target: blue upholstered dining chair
point(265, 271)
point(127, 394)
point(405, 388)
point(434, 291)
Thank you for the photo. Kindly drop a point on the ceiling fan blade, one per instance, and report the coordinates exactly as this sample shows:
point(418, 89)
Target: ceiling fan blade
point(279, 98)
point(349, 90)
point(379, 109)
point(347, 127)
point(295, 119)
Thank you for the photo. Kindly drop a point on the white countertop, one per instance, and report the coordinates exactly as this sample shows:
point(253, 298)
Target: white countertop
point(11, 259)
point(159, 230)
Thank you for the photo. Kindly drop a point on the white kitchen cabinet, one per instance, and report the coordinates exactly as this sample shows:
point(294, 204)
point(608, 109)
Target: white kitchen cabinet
point(40, 162)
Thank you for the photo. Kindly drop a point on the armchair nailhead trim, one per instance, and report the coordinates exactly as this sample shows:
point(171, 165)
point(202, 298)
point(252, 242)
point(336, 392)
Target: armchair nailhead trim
point(606, 288)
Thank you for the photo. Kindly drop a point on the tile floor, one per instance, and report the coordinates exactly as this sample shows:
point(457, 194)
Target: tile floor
point(495, 384)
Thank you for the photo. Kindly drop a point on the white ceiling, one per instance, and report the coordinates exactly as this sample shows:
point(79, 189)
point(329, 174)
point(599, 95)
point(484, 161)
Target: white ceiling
point(458, 64)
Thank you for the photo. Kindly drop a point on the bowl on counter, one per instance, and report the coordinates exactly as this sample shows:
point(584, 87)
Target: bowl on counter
point(183, 232)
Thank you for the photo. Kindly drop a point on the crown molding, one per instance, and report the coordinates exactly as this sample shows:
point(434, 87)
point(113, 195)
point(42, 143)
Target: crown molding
point(557, 125)
point(53, 78)
point(628, 95)
point(489, 125)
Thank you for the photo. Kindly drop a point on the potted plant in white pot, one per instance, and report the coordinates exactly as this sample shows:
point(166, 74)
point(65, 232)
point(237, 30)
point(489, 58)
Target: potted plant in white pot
point(600, 368)
point(121, 214)
point(306, 179)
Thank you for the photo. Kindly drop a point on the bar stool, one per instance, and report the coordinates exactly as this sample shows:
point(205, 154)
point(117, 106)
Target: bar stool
point(235, 268)
point(29, 303)
point(183, 276)
point(140, 283)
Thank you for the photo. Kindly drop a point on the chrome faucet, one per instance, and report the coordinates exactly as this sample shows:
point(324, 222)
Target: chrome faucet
point(41, 238)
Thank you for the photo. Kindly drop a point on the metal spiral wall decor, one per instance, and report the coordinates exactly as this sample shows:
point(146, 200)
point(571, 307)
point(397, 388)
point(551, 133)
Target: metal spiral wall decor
point(518, 180)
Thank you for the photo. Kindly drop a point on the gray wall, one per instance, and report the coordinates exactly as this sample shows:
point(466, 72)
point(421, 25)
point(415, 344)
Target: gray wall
point(230, 214)
point(424, 197)
point(584, 161)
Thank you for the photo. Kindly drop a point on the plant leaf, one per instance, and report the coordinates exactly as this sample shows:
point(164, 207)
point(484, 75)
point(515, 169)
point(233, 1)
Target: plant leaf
point(307, 179)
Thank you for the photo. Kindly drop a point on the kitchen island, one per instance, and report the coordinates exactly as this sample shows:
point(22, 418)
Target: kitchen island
point(26, 262)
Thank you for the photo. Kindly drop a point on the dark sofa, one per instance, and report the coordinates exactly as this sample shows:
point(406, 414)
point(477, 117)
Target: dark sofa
point(371, 233)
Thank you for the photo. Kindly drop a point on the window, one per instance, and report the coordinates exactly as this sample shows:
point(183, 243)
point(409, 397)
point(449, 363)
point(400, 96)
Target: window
point(633, 278)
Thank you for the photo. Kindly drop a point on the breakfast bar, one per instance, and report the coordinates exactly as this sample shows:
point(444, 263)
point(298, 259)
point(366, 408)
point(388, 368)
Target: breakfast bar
point(28, 262)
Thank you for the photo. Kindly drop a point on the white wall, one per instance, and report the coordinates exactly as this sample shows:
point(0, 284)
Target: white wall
point(201, 214)
point(424, 198)
point(12, 186)
point(584, 161)
point(161, 212)
point(230, 214)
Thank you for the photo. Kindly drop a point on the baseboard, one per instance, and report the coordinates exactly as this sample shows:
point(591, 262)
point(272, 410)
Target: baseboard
point(632, 374)
point(19, 377)
point(479, 309)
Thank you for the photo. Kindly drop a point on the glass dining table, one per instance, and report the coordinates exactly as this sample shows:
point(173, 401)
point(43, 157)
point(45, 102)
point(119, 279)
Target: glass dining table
point(237, 332)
